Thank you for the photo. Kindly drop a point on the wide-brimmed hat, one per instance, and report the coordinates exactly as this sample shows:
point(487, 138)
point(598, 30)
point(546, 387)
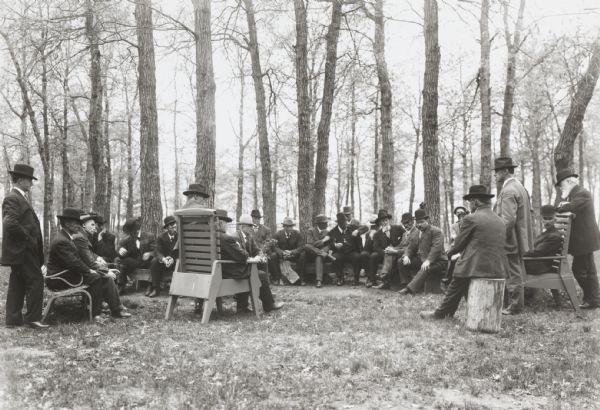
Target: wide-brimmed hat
point(383, 214)
point(245, 220)
point(198, 189)
point(460, 208)
point(131, 225)
point(72, 214)
point(347, 210)
point(84, 217)
point(477, 191)
point(373, 219)
point(169, 220)
point(23, 170)
point(564, 174)
point(255, 213)
point(406, 217)
point(547, 211)
point(420, 215)
point(340, 216)
point(287, 221)
point(222, 215)
point(321, 218)
point(98, 218)
point(504, 163)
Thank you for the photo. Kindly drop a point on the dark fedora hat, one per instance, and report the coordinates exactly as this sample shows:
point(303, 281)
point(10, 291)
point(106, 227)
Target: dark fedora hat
point(287, 221)
point(420, 215)
point(222, 215)
point(547, 211)
point(477, 191)
point(198, 189)
point(460, 208)
point(347, 210)
point(98, 218)
point(406, 217)
point(87, 216)
point(23, 170)
point(382, 214)
point(255, 213)
point(564, 174)
point(504, 163)
point(321, 218)
point(73, 214)
point(131, 225)
point(169, 220)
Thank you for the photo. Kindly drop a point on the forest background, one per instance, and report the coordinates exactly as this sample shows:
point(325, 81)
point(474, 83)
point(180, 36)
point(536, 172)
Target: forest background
point(294, 107)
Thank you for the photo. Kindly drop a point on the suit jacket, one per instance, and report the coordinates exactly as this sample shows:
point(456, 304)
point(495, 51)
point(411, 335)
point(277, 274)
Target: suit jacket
point(105, 247)
point(367, 246)
point(261, 235)
point(430, 245)
point(20, 230)
point(64, 256)
point(314, 239)
point(231, 250)
point(585, 237)
point(345, 238)
point(85, 250)
point(294, 243)
point(480, 243)
point(248, 243)
point(514, 207)
point(165, 246)
point(548, 243)
point(381, 240)
point(147, 244)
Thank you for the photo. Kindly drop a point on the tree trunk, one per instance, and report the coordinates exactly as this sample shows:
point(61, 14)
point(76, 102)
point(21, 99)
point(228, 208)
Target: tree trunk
point(352, 151)
point(204, 170)
point(67, 185)
point(563, 153)
point(151, 208)
point(376, 156)
point(269, 204)
point(429, 113)
point(241, 147)
point(305, 161)
point(581, 161)
point(106, 140)
point(177, 193)
point(485, 175)
point(320, 182)
point(130, 179)
point(413, 168)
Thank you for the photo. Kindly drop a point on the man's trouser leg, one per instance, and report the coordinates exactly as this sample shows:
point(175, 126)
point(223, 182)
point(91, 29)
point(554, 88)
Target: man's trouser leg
point(26, 282)
point(340, 261)
point(375, 258)
point(157, 270)
point(110, 294)
point(96, 290)
point(584, 270)
point(514, 282)
point(264, 294)
point(418, 282)
point(458, 288)
point(406, 272)
point(274, 269)
point(301, 265)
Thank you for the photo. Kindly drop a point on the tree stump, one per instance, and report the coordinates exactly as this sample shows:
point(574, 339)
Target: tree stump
point(484, 305)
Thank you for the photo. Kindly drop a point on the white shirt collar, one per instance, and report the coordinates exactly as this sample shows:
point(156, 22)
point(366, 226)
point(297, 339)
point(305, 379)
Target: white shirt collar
point(21, 192)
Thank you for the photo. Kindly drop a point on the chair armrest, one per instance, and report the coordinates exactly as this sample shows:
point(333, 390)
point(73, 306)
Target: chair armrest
point(56, 274)
point(222, 261)
point(543, 258)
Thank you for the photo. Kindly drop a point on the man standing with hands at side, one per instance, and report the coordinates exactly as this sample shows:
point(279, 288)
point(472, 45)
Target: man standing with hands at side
point(585, 237)
point(23, 251)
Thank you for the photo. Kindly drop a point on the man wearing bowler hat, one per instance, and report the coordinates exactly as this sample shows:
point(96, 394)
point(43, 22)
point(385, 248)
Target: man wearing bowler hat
point(385, 247)
point(424, 253)
point(347, 210)
point(480, 244)
point(165, 256)
point(23, 251)
point(343, 244)
point(514, 207)
point(197, 196)
point(262, 233)
point(289, 244)
point(316, 248)
point(585, 237)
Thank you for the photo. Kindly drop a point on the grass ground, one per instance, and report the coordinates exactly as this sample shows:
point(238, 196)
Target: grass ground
point(329, 348)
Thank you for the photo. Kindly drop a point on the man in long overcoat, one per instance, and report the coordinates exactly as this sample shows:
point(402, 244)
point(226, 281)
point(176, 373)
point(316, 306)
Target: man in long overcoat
point(514, 207)
point(23, 251)
point(480, 243)
point(585, 237)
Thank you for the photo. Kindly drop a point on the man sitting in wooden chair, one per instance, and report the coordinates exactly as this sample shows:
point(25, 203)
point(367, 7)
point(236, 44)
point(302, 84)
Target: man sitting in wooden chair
point(236, 249)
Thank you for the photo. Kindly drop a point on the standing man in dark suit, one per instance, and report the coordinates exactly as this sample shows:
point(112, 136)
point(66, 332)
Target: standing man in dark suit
point(261, 232)
point(165, 256)
point(385, 243)
point(316, 249)
point(514, 207)
point(23, 251)
point(232, 249)
point(425, 252)
point(585, 237)
point(480, 243)
point(344, 247)
point(288, 247)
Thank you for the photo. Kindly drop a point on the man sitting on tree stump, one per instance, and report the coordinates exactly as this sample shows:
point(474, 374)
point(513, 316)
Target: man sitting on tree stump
point(480, 243)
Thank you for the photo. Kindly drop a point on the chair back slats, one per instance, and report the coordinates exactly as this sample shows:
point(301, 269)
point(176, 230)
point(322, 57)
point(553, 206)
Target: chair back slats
point(199, 242)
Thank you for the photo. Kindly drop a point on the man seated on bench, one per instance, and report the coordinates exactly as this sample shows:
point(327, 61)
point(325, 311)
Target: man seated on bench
point(548, 243)
point(236, 249)
point(289, 244)
point(104, 241)
point(344, 248)
point(135, 250)
point(385, 246)
point(165, 256)
point(315, 249)
point(64, 257)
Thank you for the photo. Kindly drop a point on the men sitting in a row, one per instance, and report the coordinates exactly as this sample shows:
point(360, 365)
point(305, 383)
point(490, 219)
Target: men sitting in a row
point(136, 249)
point(287, 247)
point(165, 256)
point(72, 263)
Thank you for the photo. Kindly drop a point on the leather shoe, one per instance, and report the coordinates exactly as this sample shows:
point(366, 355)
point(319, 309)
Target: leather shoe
point(245, 309)
point(340, 282)
point(369, 284)
point(37, 325)
point(319, 284)
point(121, 315)
point(100, 319)
point(428, 314)
point(588, 306)
point(382, 285)
point(277, 305)
point(154, 294)
point(405, 291)
point(149, 290)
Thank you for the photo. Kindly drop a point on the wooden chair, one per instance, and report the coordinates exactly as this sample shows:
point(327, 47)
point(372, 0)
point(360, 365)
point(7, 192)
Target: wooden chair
point(560, 277)
point(76, 289)
point(198, 271)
